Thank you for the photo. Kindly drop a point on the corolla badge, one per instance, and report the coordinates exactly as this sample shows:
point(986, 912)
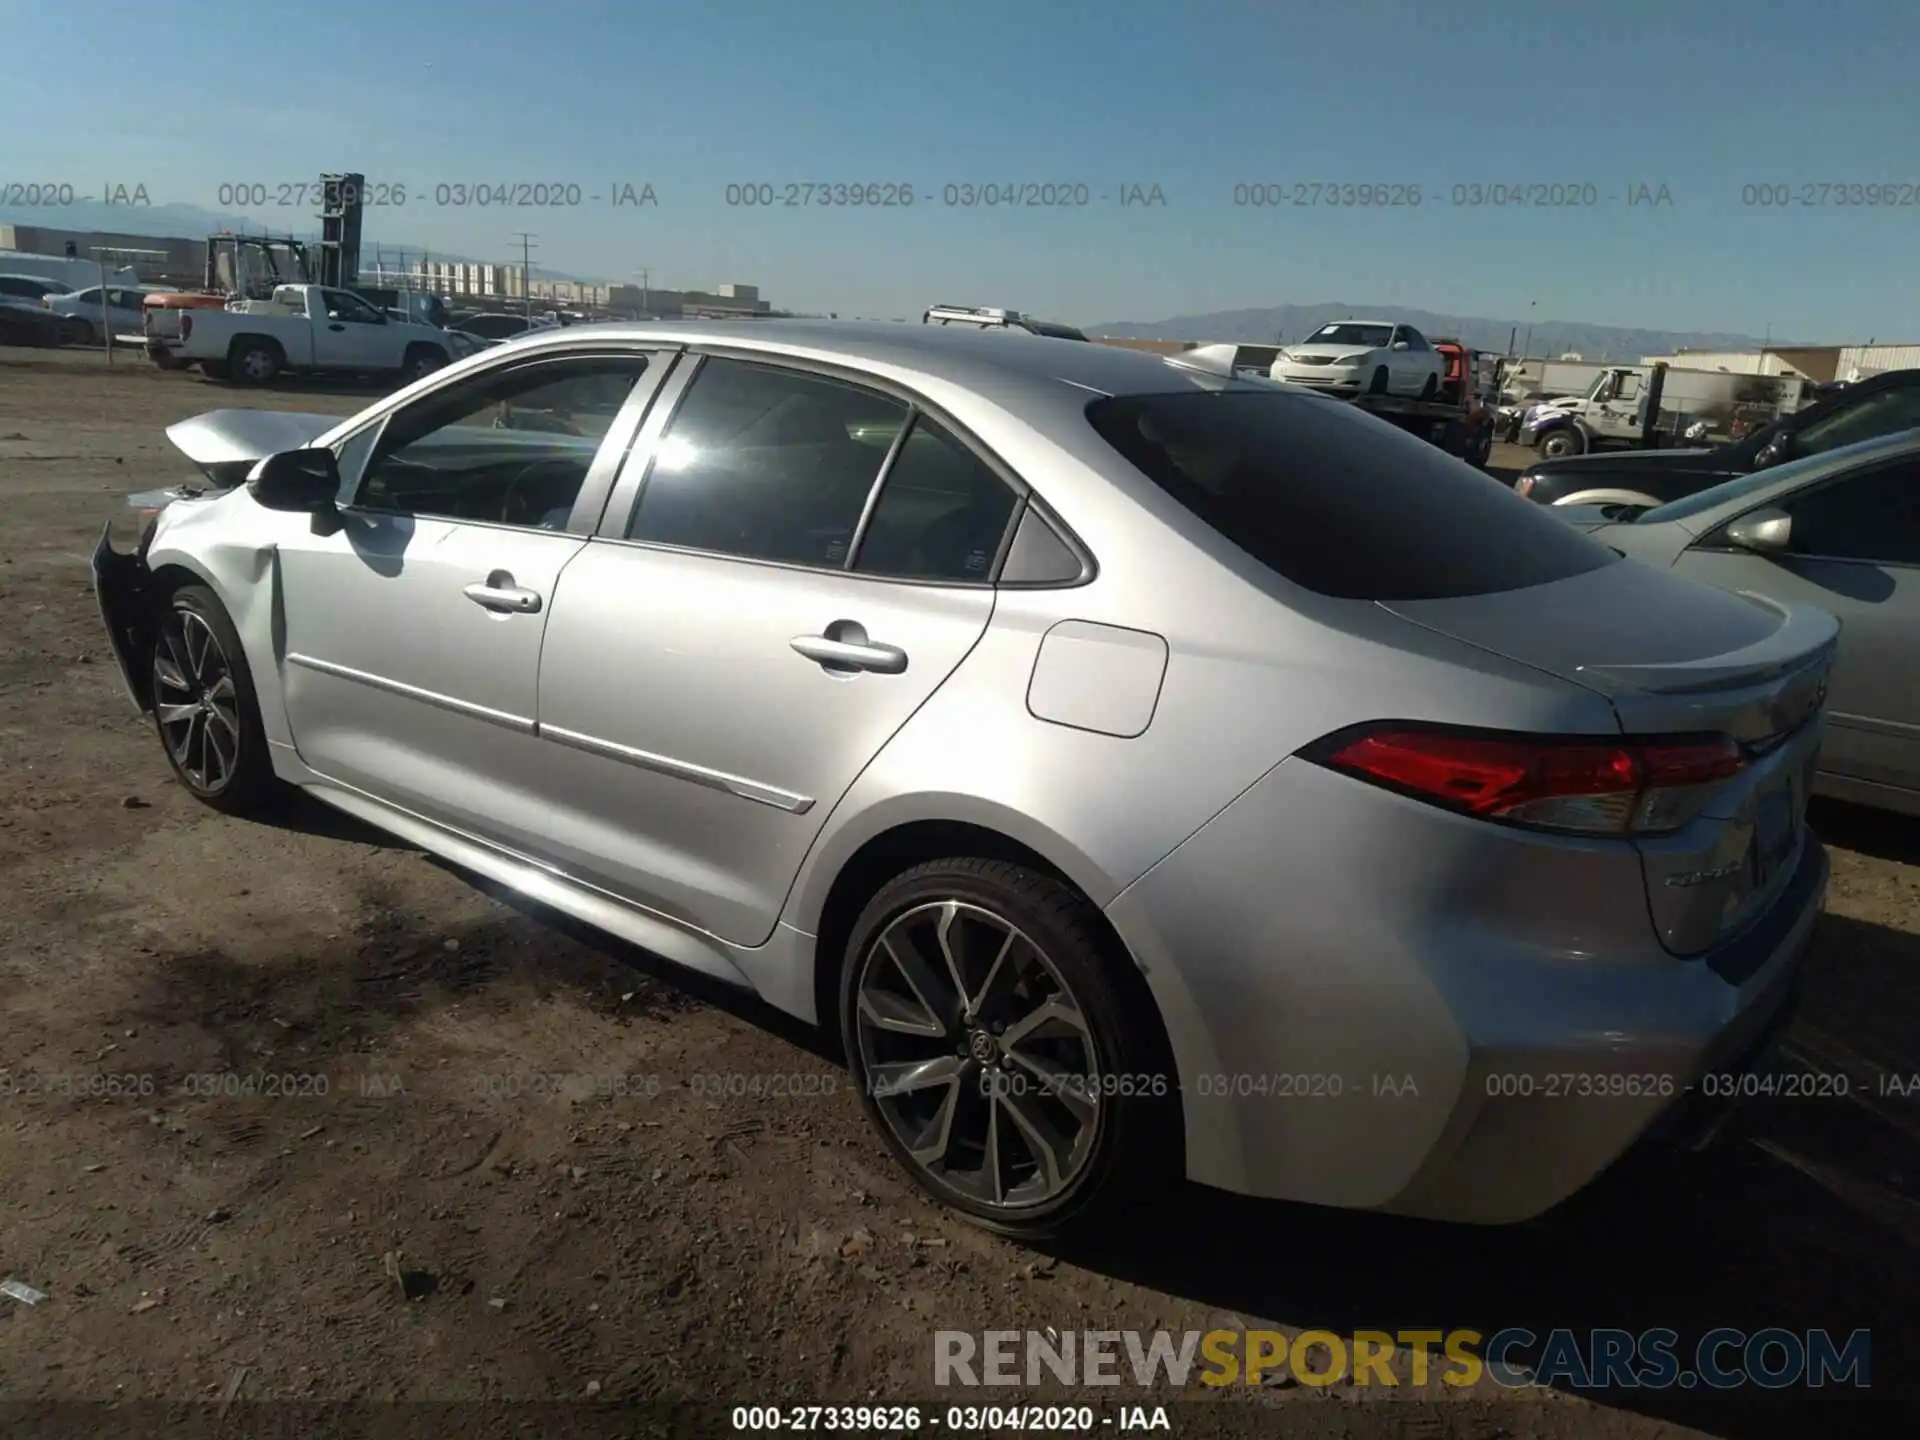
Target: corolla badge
point(1703, 877)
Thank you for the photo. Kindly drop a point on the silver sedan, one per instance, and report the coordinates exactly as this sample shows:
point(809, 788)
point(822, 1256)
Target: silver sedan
point(1840, 530)
point(1142, 771)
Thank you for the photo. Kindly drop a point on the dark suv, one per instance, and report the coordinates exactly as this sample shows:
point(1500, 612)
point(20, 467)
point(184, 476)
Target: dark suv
point(1878, 406)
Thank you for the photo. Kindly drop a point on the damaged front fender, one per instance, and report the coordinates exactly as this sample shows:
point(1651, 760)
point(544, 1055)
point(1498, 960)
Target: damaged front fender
point(123, 585)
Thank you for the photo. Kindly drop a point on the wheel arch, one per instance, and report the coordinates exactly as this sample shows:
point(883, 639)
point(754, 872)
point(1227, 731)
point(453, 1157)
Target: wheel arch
point(830, 899)
point(1610, 496)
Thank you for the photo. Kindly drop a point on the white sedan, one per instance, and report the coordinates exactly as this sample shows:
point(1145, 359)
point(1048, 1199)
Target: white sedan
point(1376, 357)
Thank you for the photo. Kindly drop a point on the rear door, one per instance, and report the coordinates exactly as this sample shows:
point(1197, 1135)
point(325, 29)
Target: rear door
point(757, 617)
point(411, 648)
point(1854, 551)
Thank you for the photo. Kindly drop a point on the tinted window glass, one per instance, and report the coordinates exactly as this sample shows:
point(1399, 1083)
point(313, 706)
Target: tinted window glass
point(1872, 415)
point(1374, 337)
point(1869, 517)
point(1339, 502)
point(512, 447)
point(941, 513)
point(767, 464)
point(343, 306)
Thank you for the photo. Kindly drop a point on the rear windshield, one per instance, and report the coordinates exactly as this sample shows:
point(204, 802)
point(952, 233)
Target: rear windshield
point(1339, 502)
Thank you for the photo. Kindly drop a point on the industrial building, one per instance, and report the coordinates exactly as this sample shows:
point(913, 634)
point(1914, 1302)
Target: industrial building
point(158, 260)
point(1819, 363)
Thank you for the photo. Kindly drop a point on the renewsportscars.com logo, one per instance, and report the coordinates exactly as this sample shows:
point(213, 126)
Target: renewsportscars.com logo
point(1722, 1359)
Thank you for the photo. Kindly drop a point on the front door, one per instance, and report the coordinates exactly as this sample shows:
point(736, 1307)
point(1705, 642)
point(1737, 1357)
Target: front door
point(740, 642)
point(352, 335)
point(412, 634)
point(1854, 552)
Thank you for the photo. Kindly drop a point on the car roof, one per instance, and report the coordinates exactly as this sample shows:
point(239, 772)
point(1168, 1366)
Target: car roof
point(1359, 322)
point(991, 360)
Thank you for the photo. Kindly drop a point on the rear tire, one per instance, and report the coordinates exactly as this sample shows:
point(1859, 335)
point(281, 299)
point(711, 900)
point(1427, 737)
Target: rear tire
point(1378, 385)
point(255, 362)
point(1040, 1100)
point(422, 361)
point(205, 708)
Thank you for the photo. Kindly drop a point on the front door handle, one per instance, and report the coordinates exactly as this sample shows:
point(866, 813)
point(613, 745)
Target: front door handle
point(506, 597)
point(845, 649)
point(336, 328)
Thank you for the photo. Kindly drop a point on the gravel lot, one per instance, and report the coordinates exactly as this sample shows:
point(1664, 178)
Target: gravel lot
point(446, 1223)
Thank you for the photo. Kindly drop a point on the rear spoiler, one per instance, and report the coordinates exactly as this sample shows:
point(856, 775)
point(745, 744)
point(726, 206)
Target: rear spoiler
point(1805, 637)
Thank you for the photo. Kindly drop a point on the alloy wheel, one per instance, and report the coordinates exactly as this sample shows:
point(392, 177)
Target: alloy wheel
point(979, 1057)
point(256, 365)
point(195, 702)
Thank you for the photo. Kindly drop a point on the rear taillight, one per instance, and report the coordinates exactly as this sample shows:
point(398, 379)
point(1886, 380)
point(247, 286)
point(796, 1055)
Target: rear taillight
point(1583, 786)
point(1524, 485)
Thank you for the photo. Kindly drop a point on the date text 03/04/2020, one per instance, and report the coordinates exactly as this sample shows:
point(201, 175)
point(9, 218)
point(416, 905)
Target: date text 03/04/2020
point(963, 195)
point(481, 194)
point(949, 1419)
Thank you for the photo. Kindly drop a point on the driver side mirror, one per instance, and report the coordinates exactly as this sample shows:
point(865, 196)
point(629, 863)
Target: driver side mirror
point(1766, 532)
point(1402, 345)
point(301, 481)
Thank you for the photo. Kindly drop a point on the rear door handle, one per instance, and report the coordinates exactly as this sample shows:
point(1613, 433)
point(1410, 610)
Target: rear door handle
point(509, 598)
point(845, 649)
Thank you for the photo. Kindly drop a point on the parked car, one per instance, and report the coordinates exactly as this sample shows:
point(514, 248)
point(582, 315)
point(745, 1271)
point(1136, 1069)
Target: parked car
point(307, 328)
point(27, 322)
point(31, 288)
point(1883, 405)
point(123, 311)
point(1090, 742)
point(497, 327)
point(1840, 530)
point(1375, 356)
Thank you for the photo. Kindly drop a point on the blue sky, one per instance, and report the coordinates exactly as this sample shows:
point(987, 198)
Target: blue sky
point(1703, 98)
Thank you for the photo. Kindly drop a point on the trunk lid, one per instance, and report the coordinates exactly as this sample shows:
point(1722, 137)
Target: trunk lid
point(1678, 658)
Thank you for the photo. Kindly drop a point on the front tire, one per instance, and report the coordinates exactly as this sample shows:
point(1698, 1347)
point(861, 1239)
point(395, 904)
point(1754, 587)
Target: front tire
point(1556, 444)
point(1009, 1059)
point(204, 705)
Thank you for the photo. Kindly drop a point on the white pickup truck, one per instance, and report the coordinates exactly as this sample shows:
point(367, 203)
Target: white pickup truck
point(304, 328)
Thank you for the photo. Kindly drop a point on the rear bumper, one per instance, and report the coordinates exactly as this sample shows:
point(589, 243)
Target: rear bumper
point(120, 586)
point(1375, 1004)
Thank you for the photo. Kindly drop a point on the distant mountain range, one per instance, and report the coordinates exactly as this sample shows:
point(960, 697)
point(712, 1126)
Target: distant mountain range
point(1281, 324)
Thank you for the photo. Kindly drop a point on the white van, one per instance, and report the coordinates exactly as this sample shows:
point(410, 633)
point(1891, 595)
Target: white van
point(74, 274)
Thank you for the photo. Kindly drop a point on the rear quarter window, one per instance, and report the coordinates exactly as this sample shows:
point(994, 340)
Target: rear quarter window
point(1338, 502)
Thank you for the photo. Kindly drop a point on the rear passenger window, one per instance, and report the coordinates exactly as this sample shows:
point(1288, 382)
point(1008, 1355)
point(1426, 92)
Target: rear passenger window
point(941, 514)
point(767, 464)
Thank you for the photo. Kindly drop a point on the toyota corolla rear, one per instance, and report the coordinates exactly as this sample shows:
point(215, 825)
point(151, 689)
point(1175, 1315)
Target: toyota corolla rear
point(1534, 862)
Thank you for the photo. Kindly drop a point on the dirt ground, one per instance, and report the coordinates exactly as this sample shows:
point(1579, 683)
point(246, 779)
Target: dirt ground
point(497, 1165)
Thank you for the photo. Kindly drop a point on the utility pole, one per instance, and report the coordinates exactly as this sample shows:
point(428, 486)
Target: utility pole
point(646, 308)
point(526, 269)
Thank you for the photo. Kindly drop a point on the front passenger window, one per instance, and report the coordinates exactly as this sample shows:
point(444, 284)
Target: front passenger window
point(1873, 517)
point(510, 448)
